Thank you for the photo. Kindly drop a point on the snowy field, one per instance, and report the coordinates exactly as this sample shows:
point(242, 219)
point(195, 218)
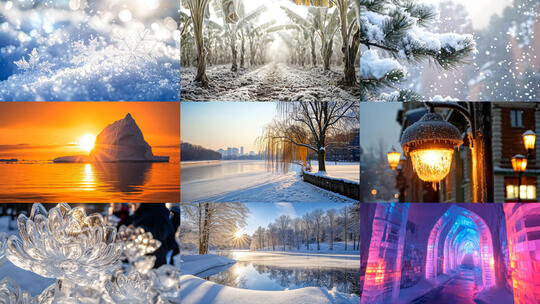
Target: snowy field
point(197, 291)
point(254, 185)
point(271, 82)
point(299, 259)
point(105, 51)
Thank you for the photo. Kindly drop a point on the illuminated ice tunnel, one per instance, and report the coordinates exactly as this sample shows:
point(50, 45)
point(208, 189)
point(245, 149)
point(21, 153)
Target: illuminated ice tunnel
point(459, 236)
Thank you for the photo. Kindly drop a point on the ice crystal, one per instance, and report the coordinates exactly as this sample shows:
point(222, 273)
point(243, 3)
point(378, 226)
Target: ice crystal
point(3, 247)
point(133, 288)
point(167, 282)
point(64, 243)
point(33, 63)
point(136, 242)
point(10, 293)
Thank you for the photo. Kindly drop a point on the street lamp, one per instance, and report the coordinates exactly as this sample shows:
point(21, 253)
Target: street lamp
point(519, 164)
point(430, 143)
point(529, 141)
point(393, 158)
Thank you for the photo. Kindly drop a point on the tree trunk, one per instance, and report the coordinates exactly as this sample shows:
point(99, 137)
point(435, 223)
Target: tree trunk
point(327, 54)
point(345, 230)
point(197, 18)
point(234, 66)
point(349, 77)
point(242, 52)
point(313, 55)
point(318, 240)
point(321, 154)
point(331, 237)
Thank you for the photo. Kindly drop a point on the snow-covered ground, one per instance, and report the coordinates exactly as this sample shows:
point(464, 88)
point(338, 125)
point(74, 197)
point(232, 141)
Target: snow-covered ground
point(55, 51)
point(339, 248)
point(198, 291)
point(195, 290)
point(350, 171)
point(271, 82)
point(195, 264)
point(253, 185)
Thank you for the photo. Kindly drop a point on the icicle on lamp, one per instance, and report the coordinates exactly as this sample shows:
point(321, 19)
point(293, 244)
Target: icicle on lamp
point(529, 140)
point(519, 163)
point(393, 158)
point(430, 143)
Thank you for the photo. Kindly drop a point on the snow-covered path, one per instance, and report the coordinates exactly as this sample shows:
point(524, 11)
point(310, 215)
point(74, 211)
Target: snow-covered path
point(271, 82)
point(254, 186)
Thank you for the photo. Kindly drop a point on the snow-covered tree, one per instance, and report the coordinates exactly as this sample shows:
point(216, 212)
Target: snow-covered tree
point(214, 223)
point(304, 125)
point(331, 215)
point(397, 32)
point(345, 212)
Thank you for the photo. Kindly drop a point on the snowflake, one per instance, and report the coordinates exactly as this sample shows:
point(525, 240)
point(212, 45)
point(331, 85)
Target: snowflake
point(134, 46)
point(33, 63)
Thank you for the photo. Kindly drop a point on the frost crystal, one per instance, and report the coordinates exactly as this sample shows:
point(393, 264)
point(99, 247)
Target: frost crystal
point(3, 247)
point(136, 242)
point(10, 293)
point(130, 289)
point(33, 63)
point(64, 243)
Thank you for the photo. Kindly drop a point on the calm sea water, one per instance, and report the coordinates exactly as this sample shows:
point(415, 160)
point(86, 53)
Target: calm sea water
point(250, 275)
point(89, 183)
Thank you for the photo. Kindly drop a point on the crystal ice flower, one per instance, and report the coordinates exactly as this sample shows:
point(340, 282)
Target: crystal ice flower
point(136, 242)
point(3, 247)
point(10, 293)
point(166, 281)
point(133, 288)
point(66, 244)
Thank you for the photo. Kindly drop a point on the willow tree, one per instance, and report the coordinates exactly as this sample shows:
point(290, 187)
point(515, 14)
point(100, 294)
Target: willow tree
point(303, 127)
point(350, 33)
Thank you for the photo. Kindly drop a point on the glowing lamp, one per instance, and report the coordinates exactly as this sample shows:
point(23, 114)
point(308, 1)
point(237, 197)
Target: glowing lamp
point(393, 158)
point(519, 163)
point(529, 140)
point(430, 143)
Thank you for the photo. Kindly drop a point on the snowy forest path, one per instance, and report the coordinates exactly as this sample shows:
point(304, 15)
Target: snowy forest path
point(271, 82)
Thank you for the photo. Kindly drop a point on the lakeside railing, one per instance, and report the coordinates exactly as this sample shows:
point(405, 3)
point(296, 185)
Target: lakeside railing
point(344, 187)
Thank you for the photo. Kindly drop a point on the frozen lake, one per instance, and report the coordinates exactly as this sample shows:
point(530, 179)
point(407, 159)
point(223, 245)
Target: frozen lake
point(76, 182)
point(250, 181)
point(280, 271)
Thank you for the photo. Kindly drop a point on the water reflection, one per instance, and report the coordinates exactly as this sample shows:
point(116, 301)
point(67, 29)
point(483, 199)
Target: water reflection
point(123, 177)
point(263, 277)
point(88, 182)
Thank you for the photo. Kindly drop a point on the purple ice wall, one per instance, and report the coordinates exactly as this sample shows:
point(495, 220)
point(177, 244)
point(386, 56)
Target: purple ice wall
point(523, 231)
point(383, 272)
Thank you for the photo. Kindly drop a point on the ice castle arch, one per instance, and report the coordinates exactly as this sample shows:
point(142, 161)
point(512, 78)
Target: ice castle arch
point(455, 222)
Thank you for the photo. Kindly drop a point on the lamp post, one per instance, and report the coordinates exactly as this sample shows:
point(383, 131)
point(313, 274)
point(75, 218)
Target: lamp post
point(430, 142)
point(519, 164)
point(393, 158)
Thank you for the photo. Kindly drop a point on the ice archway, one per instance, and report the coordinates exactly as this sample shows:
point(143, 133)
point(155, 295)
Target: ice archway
point(463, 232)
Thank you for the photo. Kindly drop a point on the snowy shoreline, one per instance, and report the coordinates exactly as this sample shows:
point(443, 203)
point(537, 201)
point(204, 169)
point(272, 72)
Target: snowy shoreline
point(195, 290)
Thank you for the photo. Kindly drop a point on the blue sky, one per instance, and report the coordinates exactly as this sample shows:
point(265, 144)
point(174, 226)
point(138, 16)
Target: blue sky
point(262, 214)
point(378, 122)
point(217, 125)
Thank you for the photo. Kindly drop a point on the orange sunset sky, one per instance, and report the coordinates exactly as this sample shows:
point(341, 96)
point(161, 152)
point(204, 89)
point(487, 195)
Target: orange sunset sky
point(45, 130)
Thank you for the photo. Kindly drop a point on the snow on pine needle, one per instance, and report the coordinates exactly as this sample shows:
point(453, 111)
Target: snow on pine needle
point(63, 55)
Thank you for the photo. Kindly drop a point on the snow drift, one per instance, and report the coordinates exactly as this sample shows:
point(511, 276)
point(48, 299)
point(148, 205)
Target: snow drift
point(118, 142)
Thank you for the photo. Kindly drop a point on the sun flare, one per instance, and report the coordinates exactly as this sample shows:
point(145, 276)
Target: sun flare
point(238, 234)
point(86, 142)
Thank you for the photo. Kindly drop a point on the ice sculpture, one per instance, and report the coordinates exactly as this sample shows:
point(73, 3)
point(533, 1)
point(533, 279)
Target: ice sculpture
point(84, 255)
point(166, 281)
point(3, 247)
point(11, 293)
point(131, 289)
point(66, 244)
point(136, 242)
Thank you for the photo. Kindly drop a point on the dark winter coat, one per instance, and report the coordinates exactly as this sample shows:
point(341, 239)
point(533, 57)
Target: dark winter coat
point(154, 218)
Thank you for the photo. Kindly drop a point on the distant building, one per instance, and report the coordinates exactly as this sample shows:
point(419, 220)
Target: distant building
point(229, 151)
point(222, 152)
point(234, 152)
point(242, 150)
point(251, 153)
